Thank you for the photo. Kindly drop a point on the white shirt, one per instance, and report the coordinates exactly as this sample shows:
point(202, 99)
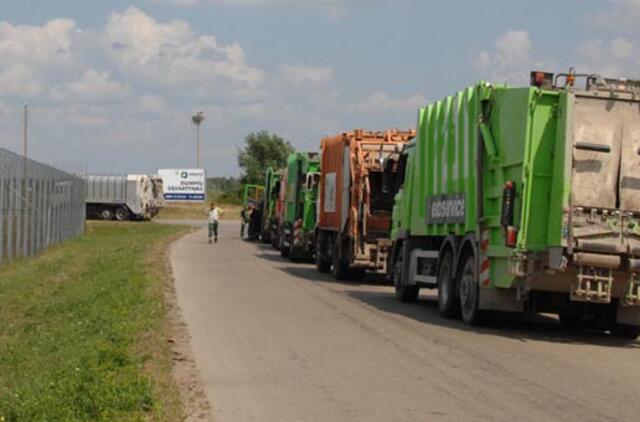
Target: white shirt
point(214, 215)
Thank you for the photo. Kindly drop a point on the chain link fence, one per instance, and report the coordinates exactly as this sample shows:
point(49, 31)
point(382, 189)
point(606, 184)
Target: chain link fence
point(39, 206)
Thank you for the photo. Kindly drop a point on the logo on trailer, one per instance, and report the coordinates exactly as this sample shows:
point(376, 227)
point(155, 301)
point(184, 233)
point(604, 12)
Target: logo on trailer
point(446, 209)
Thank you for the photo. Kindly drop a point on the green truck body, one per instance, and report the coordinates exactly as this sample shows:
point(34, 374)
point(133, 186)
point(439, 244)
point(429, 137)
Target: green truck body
point(525, 199)
point(269, 202)
point(252, 195)
point(299, 214)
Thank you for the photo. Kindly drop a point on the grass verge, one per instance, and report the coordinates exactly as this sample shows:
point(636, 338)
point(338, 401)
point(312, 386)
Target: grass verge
point(179, 211)
point(83, 333)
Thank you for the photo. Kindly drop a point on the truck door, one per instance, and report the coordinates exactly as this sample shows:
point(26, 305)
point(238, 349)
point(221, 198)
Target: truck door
point(630, 160)
point(597, 130)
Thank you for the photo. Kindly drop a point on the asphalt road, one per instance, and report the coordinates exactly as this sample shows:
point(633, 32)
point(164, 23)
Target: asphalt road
point(276, 341)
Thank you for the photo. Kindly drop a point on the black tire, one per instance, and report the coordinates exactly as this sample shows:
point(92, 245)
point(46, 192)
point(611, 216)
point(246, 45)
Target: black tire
point(339, 269)
point(629, 332)
point(122, 214)
point(468, 292)
point(404, 292)
point(106, 214)
point(294, 253)
point(322, 266)
point(448, 300)
point(357, 274)
point(284, 252)
point(571, 321)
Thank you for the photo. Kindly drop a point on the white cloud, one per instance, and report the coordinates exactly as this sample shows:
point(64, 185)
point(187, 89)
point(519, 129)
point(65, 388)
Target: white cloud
point(381, 102)
point(134, 82)
point(28, 54)
point(300, 74)
point(153, 104)
point(510, 59)
point(172, 55)
point(5, 110)
point(93, 85)
point(619, 16)
point(614, 58)
point(49, 44)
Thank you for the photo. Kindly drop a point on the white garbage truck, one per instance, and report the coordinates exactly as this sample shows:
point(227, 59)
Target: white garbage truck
point(122, 197)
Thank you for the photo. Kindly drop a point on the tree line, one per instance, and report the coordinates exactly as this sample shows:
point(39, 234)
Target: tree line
point(260, 151)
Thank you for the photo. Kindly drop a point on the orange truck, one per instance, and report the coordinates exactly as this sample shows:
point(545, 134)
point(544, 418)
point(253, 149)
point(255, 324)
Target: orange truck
point(354, 211)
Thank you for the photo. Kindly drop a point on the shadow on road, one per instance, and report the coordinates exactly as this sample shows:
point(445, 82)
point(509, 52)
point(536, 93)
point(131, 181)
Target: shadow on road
point(523, 327)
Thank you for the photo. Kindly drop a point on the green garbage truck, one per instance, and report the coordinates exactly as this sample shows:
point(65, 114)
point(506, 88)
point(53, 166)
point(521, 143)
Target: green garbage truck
point(269, 204)
point(298, 224)
point(524, 199)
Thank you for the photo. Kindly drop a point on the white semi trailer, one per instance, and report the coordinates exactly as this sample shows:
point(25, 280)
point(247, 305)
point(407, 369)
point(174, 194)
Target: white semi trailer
point(129, 197)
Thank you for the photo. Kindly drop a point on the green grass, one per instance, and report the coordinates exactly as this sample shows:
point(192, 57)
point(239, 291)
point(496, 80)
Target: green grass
point(179, 211)
point(83, 329)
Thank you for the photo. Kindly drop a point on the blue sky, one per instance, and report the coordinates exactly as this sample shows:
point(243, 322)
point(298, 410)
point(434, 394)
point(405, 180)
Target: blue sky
point(112, 84)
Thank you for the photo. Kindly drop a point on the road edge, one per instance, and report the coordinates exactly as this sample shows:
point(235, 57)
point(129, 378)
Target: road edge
point(185, 373)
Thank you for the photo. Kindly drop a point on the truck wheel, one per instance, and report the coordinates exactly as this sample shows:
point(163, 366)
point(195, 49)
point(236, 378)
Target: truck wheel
point(322, 266)
point(294, 253)
point(630, 332)
point(448, 301)
point(106, 214)
point(571, 321)
point(404, 292)
point(339, 269)
point(358, 274)
point(284, 252)
point(122, 214)
point(468, 291)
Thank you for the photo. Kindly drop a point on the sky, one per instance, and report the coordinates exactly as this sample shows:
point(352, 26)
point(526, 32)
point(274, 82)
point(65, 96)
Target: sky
point(112, 85)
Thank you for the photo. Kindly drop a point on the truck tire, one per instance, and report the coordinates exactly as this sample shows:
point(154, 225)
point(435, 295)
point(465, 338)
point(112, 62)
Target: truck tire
point(630, 332)
point(322, 265)
point(339, 269)
point(448, 300)
point(404, 292)
point(294, 253)
point(106, 214)
point(357, 274)
point(122, 214)
point(469, 291)
point(284, 251)
point(571, 321)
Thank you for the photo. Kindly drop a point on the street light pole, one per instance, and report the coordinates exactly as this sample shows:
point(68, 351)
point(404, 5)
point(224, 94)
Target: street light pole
point(197, 120)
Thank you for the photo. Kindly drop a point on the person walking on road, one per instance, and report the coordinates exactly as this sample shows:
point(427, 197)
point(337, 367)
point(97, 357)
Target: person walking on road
point(215, 214)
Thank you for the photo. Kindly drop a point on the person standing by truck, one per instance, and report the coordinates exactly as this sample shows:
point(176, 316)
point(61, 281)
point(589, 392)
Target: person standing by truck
point(215, 214)
point(245, 218)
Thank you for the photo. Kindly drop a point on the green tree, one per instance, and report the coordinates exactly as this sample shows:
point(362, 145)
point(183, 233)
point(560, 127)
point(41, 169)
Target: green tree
point(262, 149)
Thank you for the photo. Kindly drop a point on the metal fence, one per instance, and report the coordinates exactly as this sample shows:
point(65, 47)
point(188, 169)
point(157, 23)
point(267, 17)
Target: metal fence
point(39, 206)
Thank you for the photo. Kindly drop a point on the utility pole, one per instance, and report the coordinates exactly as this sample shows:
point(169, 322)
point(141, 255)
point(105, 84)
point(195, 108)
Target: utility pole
point(197, 120)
